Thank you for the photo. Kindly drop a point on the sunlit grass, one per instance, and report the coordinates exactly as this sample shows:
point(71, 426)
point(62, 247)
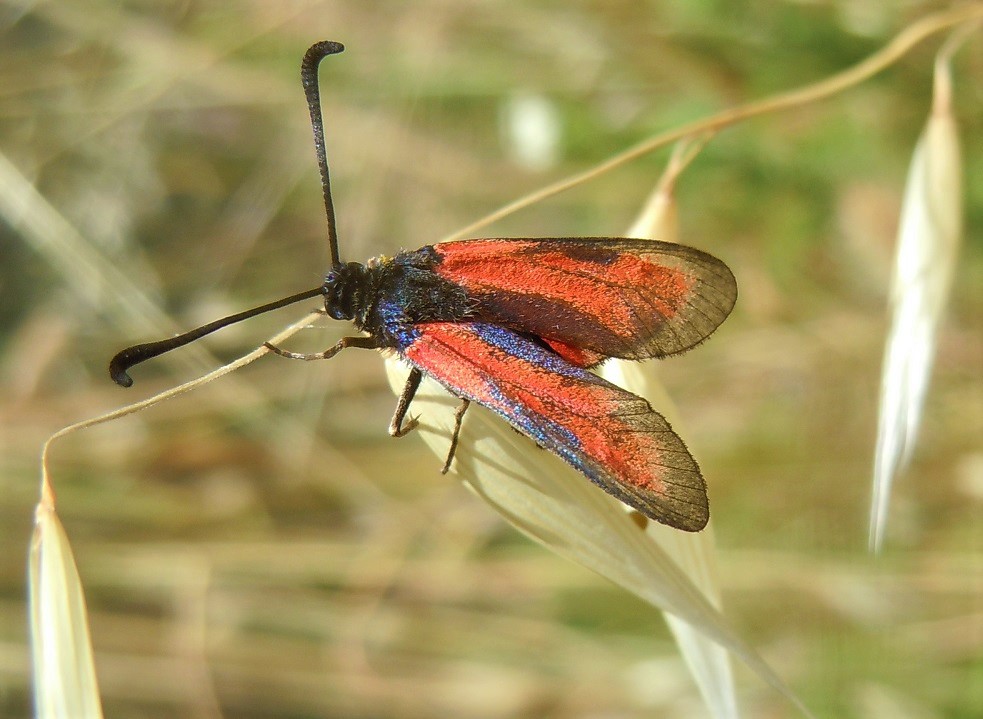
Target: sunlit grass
point(265, 548)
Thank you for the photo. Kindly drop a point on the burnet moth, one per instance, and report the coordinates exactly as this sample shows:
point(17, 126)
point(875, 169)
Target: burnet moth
point(515, 325)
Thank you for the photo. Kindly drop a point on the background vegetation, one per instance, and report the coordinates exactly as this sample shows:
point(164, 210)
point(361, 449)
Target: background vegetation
point(263, 548)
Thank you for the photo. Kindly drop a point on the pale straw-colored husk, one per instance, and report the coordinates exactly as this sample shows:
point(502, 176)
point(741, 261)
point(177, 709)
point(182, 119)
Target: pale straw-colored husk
point(927, 251)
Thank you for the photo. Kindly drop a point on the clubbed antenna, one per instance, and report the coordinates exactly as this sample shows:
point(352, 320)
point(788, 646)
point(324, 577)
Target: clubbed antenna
point(141, 353)
point(119, 365)
point(308, 76)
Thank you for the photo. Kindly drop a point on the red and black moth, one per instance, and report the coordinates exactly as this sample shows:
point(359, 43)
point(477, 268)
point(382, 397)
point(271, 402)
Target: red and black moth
point(515, 325)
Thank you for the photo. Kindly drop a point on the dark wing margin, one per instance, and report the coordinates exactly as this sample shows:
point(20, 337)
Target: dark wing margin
point(618, 297)
point(610, 435)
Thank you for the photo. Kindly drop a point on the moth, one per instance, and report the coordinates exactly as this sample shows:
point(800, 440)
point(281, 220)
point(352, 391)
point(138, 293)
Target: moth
point(516, 325)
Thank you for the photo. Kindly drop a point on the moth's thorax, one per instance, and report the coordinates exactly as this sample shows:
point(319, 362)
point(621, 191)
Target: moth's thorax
point(387, 295)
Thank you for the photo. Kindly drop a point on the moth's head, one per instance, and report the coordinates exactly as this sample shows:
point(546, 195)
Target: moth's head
point(341, 290)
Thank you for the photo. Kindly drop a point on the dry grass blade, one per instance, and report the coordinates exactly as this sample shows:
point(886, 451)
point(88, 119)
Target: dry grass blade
point(927, 250)
point(899, 45)
point(546, 500)
point(65, 682)
point(543, 498)
point(64, 672)
point(695, 553)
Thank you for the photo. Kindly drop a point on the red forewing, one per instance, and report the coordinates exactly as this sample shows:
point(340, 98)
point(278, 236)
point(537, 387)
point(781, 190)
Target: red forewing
point(605, 297)
point(607, 433)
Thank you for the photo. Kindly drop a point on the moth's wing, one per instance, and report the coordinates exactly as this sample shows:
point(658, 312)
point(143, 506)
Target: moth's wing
point(607, 433)
point(613, 297)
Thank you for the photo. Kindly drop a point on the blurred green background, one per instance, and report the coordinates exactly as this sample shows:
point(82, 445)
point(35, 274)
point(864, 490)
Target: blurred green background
point(262, 548)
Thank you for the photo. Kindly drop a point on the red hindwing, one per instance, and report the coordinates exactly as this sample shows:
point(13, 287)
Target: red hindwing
point(612, 436)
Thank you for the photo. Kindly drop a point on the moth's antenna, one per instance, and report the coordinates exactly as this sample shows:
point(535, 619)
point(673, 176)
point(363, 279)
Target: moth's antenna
point(308, 76)
point(140, 353)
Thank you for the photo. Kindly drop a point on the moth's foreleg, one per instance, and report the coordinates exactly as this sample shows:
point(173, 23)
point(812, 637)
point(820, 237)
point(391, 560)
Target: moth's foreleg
point(365, 343)
point(396, 428)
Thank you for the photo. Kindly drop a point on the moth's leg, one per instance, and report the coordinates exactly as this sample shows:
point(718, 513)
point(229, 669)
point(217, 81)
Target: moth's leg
point(458, 417)
point(396, 427)
point(365, 343)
